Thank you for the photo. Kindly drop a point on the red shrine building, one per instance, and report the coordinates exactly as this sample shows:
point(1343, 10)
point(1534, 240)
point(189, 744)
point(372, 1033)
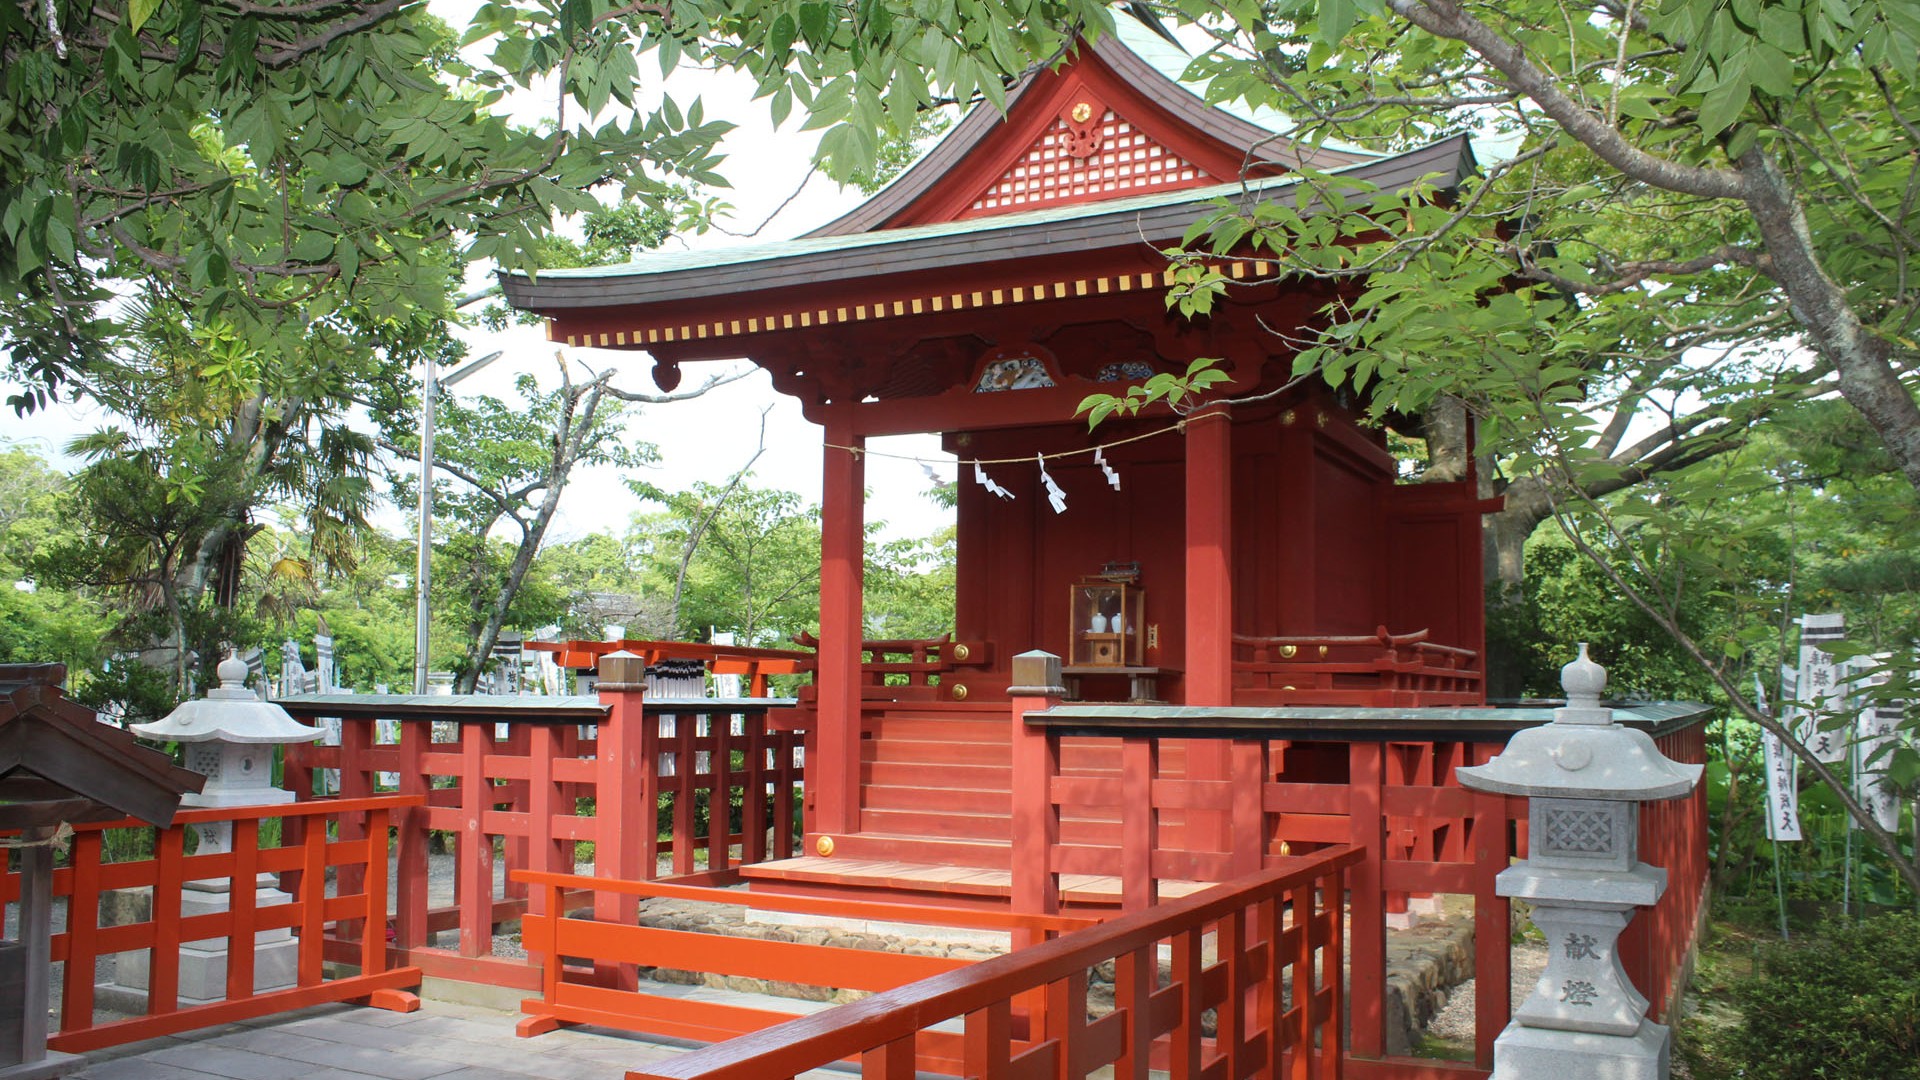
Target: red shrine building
point(1253, 554)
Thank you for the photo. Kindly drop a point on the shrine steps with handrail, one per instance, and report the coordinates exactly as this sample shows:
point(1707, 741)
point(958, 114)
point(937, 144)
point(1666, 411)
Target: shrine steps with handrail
point(936, 813)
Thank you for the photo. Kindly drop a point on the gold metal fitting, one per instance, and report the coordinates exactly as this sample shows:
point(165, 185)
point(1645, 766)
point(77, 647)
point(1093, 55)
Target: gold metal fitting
point(1082, 113)
point(961, 652)
point(959, 691)
point(824, 845)
point(1289, 651)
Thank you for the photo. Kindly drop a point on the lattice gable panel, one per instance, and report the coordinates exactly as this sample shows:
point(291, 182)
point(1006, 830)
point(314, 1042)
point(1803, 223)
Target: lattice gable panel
point(1088, 153)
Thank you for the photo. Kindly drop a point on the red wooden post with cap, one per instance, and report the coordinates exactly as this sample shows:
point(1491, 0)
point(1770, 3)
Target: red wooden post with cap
point(626, 794)
point(1036, 761)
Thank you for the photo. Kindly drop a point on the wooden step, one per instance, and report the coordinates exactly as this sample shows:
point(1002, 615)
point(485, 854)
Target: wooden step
point(916, 752)
point(937, 824)
point(941, 729)
point(945, 774)
point(924, 822)
point(936, 879)
point(918, 797)
point(996, 854)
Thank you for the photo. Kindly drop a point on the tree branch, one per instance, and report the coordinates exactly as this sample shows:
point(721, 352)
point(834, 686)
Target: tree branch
point(1445, 18)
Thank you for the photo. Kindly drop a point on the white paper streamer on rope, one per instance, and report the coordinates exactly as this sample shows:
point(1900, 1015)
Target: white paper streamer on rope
point(980, 477)
point(1819, 691)
point(1783, 797)
point(1100, 459)
point(1878, 730)
point(927, 467)
point(1056, 498)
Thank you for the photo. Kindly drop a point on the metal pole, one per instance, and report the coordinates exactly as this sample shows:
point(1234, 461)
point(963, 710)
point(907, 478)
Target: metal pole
point(423, 571)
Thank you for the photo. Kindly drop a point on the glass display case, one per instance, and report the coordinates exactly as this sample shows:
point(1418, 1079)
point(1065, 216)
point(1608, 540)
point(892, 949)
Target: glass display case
point(1109, 623)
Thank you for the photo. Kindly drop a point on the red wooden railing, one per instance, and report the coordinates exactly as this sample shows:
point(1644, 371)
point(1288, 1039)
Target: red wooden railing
point(1260, 953)
point(1656, 948)
point(753, 665)
point(912, 669)
point(303, 865)
point(1398, 797)
point(581, 995)
point(1378, 669)
point(547, 785)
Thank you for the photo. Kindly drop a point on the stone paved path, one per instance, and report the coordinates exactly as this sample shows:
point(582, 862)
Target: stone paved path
point(442, 1041)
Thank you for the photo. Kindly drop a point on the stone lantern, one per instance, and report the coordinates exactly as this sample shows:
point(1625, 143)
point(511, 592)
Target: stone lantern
point(1585, 777)
point(229, 737)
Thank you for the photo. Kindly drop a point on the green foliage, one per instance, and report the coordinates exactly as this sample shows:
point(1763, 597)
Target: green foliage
point(910, 586)
point(272, 166)
point(1180, 392)
point(1841, 1005)
point(899, 149)
point(44, 623)
point(756, 569)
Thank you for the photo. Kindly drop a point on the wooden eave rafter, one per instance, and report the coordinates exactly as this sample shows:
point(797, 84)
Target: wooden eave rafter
point(795, 311)
point(945, 182)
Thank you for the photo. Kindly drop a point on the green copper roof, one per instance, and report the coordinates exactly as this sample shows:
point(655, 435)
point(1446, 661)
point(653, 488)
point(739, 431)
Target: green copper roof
point(663, 262)
point(1136, 220)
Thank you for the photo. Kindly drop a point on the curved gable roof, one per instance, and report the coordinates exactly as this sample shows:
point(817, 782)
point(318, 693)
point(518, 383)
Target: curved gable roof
point(949, 182)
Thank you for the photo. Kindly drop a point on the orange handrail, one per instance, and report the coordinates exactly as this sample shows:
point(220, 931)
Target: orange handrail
point(1277, 1004)
point(302, 859)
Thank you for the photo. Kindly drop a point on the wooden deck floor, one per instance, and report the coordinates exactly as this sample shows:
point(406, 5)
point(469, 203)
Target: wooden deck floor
point(958, 881)
point(442, 1041)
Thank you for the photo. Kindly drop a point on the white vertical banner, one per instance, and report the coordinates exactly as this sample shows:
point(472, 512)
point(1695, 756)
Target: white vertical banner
point(1820, 691)
point(1783, 796)
point(728, 686)
point(1878, 732)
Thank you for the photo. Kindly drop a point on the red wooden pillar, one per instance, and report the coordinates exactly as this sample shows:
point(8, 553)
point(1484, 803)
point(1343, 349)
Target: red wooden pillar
point(1367, 963)
point(414, 836)
point(1209, 615)
point(473, 848)
point(1492, 913)
point(546, 801)
point(356, 782)
point(834, 776)
point(1139, 821)
point(1036, 762)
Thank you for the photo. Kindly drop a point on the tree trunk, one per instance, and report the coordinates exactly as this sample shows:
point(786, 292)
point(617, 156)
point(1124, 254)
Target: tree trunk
point(1861, 361)
point(1505, 533)
point(1445, 426)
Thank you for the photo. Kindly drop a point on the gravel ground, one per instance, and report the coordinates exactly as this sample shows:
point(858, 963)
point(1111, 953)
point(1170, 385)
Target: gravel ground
point(1454, 1021)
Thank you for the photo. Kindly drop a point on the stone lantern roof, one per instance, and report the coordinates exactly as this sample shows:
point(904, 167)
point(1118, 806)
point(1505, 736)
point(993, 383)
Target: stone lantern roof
point(229, 713)
point(1583, 754)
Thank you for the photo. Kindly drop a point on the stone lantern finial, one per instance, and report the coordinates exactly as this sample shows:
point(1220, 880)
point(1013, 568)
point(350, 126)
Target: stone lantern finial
point(1583, 680)
point(233, 676)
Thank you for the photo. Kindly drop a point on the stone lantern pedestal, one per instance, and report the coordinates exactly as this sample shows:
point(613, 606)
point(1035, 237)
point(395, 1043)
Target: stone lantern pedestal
point(1585, 777)
point(229, 737)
